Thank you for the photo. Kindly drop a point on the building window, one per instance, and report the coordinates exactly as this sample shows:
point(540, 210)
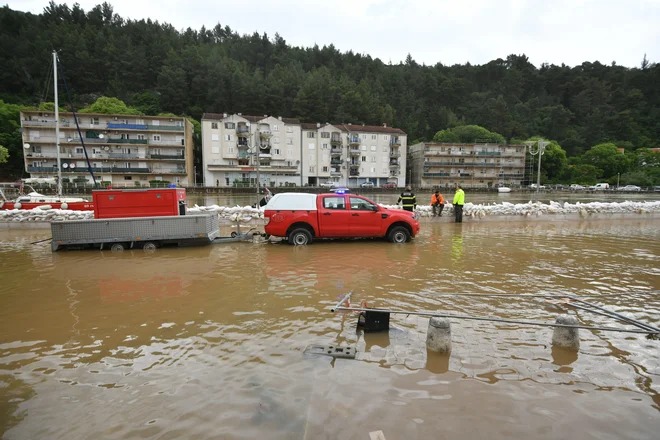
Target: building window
point(385, 149)
point(289, 141)
point(227, 137)
point(373, 158)
point(215, 149)
point(311, 169)
point(128, 177)
point(373, 148)
point(325, 135)
point(289, 152)
point(385, 137)
point(276, 151)
point(364, 158)
point(364, 136)
point(364, 148)
point(231, 163)
point(324, 146)
point(311, 134)
point(385, 159)
point(94, 121)
point(228, 125)
point(231, 150)
point(289, 129)
point(276, 139)
point(373, 169)
point(311, 146)
point(156, 137)
point(325, 169)
point(276, 127)
point(140, 137)
point(214, 125)
point(215, 137)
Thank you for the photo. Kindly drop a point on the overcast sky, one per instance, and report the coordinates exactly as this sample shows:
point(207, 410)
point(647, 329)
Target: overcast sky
point(446, 31)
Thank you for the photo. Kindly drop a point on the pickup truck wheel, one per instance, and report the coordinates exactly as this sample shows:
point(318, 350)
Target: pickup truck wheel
point(399, 234)
point(300, 237)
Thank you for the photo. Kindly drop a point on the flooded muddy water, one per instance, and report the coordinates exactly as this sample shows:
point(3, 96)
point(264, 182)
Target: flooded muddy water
point(209, 342)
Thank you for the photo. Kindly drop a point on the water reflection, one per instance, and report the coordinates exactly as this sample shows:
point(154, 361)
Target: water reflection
point(208, 342)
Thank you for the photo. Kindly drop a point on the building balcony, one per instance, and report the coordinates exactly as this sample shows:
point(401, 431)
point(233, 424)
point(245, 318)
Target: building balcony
point(335, 151)
point(166, 127)
point(166, 142)
point(265, 133)
point(436, 174)
point(85, 169)
point(242, 144)
point(167, 156)
point(243, 162)
point(354, 165)
point(395, 141)
point(395, 153)
point(121, 126)
point(126, 141)
point(293, 168)
point(488, 153)
point(335, 140)
point(354, 151)
point(168, 171)
point(336, 162)
point(242, 130)
point(511, 176)
point(38, 123)
point(354, 140)
point(354, 173)
point(335, 172)
point(220, 167)
point(123, 156)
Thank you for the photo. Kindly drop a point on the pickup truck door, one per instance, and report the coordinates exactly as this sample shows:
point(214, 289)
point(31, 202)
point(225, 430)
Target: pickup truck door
point(333, 216)
point(365, 220)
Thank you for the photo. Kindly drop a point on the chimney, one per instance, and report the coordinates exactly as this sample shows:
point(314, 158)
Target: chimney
point(224, 115)
point(385, 125)
point(318, 125)
point(279, 117)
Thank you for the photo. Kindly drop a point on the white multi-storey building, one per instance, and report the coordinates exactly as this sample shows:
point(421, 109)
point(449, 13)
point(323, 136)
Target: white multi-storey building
point(294, 153)
point(124, 150)
point(230, 144)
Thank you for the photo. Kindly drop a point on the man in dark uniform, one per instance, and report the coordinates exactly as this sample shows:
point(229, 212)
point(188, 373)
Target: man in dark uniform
point(408, 199)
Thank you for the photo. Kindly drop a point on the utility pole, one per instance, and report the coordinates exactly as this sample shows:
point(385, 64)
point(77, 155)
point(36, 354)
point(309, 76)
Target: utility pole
point(57, 128)
point(257, 137)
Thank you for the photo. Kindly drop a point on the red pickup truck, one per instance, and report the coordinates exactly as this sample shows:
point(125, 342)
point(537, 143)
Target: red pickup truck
point(302, 218)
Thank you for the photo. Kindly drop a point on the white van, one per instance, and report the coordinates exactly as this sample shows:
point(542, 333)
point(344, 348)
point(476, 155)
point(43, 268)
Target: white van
point(601, 186)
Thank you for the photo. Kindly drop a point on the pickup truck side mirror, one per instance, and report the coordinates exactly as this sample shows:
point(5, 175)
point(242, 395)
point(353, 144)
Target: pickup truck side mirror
point(374, 208)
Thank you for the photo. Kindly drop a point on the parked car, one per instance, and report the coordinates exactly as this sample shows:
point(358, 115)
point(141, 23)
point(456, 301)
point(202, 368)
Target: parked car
point(388, 185)
point(655, 188)
point(558, 186)
point(367, 184)
point(599, 187)
point(328, 185)
point(302, 218)
point(630, 188)
point(576, 187)
point(533, 186)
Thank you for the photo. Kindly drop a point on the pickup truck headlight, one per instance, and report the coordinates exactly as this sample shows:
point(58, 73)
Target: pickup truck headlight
point(414, 216)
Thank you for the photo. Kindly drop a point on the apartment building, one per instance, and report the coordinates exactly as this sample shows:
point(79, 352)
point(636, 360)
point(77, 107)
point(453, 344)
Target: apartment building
point(474, 165)
point(350, 154)
point(232, 144)
point(125, 150)
point(304, 154)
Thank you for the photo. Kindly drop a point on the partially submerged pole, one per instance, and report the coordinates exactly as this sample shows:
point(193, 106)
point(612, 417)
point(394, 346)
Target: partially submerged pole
point(438, 335)
point(566, 337)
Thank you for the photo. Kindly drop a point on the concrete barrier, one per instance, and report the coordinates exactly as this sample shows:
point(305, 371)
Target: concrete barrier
point(565, 337)
point(438, 336)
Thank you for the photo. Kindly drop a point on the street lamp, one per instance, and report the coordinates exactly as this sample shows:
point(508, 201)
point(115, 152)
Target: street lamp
point(540, 144)
point(617, 180)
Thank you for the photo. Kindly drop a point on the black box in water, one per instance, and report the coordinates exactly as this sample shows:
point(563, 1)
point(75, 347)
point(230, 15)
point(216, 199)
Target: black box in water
point(375, 321)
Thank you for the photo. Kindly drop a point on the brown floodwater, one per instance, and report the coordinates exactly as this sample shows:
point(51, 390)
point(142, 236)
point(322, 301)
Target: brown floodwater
point(209, 342)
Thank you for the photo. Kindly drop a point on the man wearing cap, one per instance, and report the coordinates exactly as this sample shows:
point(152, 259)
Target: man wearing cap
point(437, 203)
point(407, 199)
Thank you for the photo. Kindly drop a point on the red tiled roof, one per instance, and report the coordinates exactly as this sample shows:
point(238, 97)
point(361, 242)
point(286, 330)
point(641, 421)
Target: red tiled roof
point(308, 125)
point(372, 129)
point(291, 121)
point(216, 116)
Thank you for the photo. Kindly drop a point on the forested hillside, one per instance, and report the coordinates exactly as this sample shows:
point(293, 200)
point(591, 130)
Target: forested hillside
point(157, 68)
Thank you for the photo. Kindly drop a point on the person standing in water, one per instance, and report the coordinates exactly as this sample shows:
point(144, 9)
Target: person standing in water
point(407, 199)
point(459, 201)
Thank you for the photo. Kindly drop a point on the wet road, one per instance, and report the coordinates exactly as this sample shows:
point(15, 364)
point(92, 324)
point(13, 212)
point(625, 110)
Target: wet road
point(209, 342)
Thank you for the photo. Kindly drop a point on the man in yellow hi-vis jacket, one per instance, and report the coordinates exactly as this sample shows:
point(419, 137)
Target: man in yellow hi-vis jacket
point(459, 201)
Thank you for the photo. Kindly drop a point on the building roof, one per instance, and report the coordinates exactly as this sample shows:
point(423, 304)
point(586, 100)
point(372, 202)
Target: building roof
point(308, 125)
point(220, 116)
point(371, 128)
point(82, 115)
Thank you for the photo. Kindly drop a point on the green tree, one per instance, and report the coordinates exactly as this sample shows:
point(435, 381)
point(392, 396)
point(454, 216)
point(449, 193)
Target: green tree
point(553, 162)
point(4, 154)
point(108, 105)
point(582, 174)
point(11, 140)
point(609, 159)
point(468, 134)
